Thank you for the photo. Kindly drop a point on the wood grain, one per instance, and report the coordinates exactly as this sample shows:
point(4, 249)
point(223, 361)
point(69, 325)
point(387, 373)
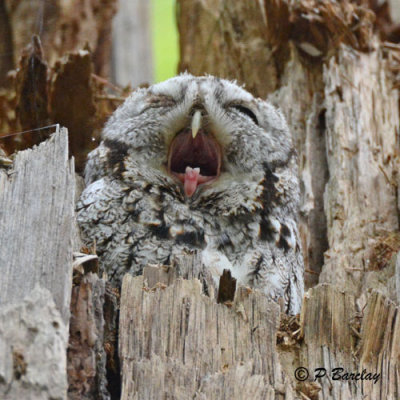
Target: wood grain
point(37, 223)
point(175, 341)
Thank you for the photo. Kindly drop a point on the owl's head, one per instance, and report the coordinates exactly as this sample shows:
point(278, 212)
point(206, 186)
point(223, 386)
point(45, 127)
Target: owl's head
point(206, 137)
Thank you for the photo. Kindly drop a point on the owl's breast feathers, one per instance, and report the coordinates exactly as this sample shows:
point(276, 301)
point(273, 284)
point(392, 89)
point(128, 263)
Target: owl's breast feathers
point(155, 209)
point(155, 206)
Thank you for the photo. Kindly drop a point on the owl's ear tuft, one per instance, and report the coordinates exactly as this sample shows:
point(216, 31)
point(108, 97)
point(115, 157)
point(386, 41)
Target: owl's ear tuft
point(161, 100)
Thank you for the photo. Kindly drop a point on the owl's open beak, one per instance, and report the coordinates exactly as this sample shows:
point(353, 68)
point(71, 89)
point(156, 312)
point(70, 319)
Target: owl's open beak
point(194, 156)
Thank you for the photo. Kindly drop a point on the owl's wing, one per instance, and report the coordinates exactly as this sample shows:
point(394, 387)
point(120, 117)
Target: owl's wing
point(279, 267)
point(278, 272)
point(96, 166)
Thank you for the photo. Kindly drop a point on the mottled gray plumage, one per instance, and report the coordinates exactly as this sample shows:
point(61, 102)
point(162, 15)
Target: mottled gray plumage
point(142, 204)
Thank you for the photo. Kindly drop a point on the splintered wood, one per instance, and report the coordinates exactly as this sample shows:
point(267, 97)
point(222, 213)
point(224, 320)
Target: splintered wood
point(362, 119)
point(86, 355)
point(328, 341)
point(379, 348)
point(64, 27)
point(37, 225)
point(38, 237)
point(67, 93)
point(176, 342)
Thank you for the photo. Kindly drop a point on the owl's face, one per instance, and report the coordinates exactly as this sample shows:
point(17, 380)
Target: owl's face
point(204, 136)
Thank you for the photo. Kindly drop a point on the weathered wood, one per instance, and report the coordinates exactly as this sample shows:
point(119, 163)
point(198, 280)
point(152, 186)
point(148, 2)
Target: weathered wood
point(215, 37)
point(158, 275)
point(72, 102)
point(328, 340)
point(33, 345)
point(379, 348)
point(174, 341)
point(307, 123)
point(86, 354)
point(37, 225)
point(362, 119)
point(397, 279)
point(336, 336)
point(132, 58)
point(188, 265)
point(394, 10)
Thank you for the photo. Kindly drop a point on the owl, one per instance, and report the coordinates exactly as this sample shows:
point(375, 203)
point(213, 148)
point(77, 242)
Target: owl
point(197, 163)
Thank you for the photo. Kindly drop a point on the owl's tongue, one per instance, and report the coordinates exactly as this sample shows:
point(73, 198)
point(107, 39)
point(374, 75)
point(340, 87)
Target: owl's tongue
point(191, 179)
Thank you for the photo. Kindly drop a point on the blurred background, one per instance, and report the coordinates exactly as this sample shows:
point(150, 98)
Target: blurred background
point(145, 42)
point(73, 62)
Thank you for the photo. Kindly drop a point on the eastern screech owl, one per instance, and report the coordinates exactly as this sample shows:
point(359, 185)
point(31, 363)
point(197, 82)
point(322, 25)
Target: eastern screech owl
point(197, 163)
